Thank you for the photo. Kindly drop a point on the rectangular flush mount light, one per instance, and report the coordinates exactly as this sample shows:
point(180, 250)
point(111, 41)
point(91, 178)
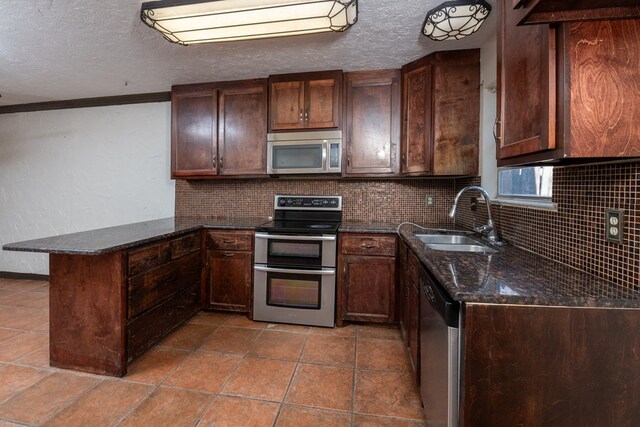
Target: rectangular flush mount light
point(196, 21)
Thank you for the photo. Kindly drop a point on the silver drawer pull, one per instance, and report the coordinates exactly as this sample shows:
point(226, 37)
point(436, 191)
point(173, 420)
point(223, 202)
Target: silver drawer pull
point(324, 271)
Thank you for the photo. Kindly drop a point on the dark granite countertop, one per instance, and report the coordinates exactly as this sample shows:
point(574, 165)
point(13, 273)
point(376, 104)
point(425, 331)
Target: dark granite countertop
point(111, 239)
point(515, 276)
point(368, 227)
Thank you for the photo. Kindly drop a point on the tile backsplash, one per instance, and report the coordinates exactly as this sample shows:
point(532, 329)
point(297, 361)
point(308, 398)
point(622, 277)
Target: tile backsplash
point(363, 200)
point(575, 233)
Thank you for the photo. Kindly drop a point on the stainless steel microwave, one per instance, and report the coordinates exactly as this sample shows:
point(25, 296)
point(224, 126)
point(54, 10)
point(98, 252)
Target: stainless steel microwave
point(304, 152)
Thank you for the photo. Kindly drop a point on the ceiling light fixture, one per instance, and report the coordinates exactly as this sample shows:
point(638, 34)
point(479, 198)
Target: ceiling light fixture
point(200, 21)
point(453, 20)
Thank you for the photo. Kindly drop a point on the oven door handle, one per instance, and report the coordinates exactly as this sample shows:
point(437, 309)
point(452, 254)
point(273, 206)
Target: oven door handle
point(301, 238)
point(324, 271)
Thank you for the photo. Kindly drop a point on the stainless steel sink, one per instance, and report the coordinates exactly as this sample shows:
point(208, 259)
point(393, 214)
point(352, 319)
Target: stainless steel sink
point(454, 243)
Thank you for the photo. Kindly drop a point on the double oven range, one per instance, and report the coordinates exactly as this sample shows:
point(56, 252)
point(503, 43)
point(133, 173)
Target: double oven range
point(295, 261)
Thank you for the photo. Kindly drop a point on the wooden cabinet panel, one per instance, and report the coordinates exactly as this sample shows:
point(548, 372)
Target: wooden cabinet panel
point(413, 326)
point(368, 288)
point(372, 123)
point(287, 105)
point(146, 258)
point(232, 240)
point(305, 101)
point(193, 136)
point(549, 11)
point(230, 278)
point(417, 149)
point(242, 130)
point(183, 245)
point(369, 244)
point(527, 86)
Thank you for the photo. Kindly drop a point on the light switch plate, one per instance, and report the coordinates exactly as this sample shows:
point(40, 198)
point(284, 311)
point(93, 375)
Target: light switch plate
point(615, 225)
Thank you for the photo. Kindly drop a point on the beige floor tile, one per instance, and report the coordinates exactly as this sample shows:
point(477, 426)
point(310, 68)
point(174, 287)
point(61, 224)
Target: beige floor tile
point(241, 321)
point(14, 379)
point(345, 331)
point(228, 411)
point(155, 365)
point(211, 318)
point(329, 350)
point(169, 408)
point(22, 345)
point(260, 378)
point(8, 424)
point(295, 416)
point(383, 355)
point(38, 300)
point(371, 421)
point(6, 334)
point(319, 386)
point(189, 336)
point(104, 405)
point(37, 359)
point(379, 332)
point(22, 317)
point(231, 340)
point(278, 345)
point(46, 397)
point(204, 371)
point(391, 394)
point(288, 328)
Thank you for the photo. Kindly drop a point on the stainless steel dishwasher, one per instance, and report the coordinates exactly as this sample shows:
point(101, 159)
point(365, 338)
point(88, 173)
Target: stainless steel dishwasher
point(439, 354)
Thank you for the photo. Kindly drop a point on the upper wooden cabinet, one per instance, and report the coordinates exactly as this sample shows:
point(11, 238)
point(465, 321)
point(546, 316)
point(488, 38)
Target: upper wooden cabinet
point(549, 11)
point(372, 123)
point(219, 129)
point(571, 94)
point(441, 113)
point(305, 101)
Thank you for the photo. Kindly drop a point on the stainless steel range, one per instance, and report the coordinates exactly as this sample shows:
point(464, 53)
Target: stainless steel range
point(295, 261)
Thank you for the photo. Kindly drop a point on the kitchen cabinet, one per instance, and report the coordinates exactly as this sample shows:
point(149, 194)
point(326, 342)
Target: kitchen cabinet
point(229, 270)
point(549, 11)
point(581, 83)
point(540, 365)
point(305, 101)
point(372, 123)
point(366, 285)
point(107, 309)
point(219, 129)
point(409, 315)
point(440, 114)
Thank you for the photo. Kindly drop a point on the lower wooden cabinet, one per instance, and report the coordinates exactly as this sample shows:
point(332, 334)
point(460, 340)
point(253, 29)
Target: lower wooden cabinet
point(229, 271)
point(366, 286)
point(409, 273)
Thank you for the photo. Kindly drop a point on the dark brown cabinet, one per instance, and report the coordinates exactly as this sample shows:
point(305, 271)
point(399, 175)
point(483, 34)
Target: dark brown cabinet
point(441, 113)
point(581, 83)
point(366, 285)
point(305, 101)
point(219, 129)
point(229, 271)
point(372, 123)
point(409, 277)
point(549, 11)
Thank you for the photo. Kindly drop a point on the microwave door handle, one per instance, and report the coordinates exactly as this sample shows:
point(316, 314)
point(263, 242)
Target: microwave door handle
point(300, 238)
point(324, 271)
point(324, 157)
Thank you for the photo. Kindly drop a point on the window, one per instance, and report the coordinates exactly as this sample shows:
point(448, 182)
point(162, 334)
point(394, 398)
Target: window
point(530, 182)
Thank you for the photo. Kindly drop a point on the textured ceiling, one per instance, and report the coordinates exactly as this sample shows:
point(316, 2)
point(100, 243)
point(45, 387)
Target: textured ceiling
point(68, 49)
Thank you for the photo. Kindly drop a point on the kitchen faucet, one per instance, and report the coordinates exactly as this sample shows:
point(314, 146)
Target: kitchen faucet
point(489, 227)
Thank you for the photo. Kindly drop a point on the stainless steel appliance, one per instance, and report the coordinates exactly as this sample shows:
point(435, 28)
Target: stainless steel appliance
point(439, 354)
point(304, 152)
point(295, 261)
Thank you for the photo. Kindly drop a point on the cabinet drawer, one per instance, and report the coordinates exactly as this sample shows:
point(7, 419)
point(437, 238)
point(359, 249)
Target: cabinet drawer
point(369, 244)
point(148, 257)
point(185, 245)
point(147, 290)
point(230, 241)
point(149, 328)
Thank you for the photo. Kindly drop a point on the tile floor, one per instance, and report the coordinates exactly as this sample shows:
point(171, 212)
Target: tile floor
point(216, 370)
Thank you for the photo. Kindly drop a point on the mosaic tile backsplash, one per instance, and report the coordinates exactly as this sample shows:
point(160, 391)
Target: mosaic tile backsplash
point(575, 234)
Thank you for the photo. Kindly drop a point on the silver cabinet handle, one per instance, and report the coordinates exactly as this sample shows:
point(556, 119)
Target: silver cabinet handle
point(324, 271)
point(300, 238)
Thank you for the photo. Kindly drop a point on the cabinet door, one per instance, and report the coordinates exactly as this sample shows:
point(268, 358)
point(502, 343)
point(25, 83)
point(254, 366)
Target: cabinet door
point(413, 321)
point(242, 130)
point(368, 288)
point(193, 136)
point(526, 86)
point(372, 127)
point(286, 105)
point(229, 276)
point(416, 118)
point(323, 103)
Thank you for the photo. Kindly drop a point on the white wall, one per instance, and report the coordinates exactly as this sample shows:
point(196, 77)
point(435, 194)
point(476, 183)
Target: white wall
point(80, 169)
point(488, 74)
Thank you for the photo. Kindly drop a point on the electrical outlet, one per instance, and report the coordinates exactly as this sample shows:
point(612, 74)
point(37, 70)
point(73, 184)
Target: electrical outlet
point(429, 200)
point(615, 225)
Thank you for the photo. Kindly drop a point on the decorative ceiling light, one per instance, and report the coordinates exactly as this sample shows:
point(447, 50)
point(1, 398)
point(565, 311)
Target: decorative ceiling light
point(200, 21)
point(453, 20)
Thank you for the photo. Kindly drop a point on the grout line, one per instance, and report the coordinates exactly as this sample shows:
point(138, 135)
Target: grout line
point(293, 375)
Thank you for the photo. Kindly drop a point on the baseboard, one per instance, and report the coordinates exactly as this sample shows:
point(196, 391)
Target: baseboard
point(23, 276)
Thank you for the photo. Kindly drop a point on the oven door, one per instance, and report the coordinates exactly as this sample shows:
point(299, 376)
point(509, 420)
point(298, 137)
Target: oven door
point(301, 297)
point(295, 251)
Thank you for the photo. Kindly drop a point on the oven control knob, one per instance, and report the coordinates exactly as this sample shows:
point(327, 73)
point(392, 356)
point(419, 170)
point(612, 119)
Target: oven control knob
point(282, 201)
point(290, 202)
point(334, 202)
point(325, 202)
